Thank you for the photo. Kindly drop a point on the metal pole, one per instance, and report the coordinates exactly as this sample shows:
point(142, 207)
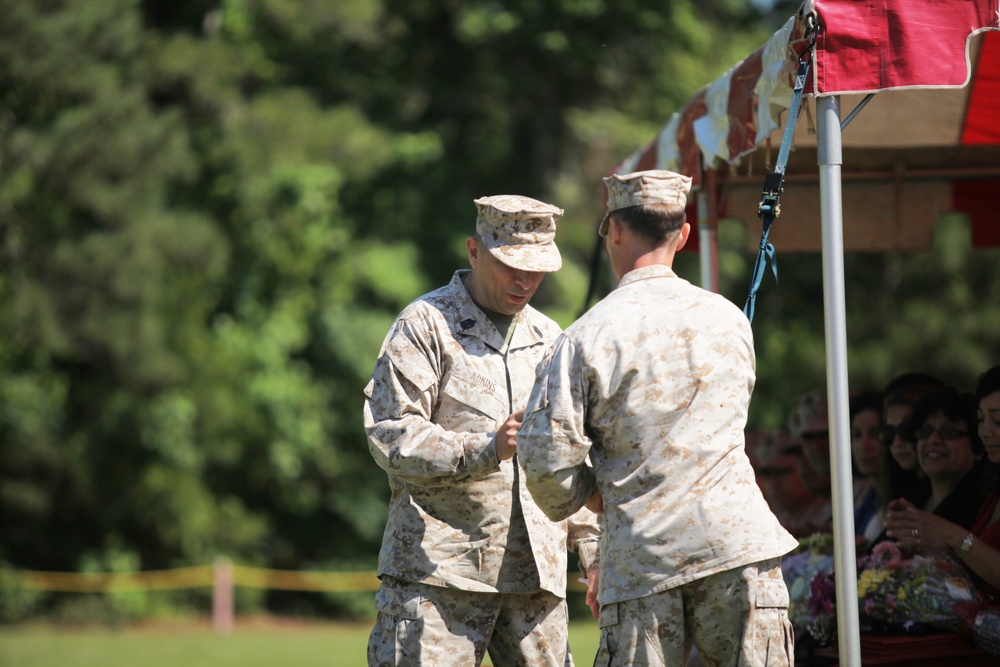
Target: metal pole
point(222, 595)
point(708, 234)
point(829, 156)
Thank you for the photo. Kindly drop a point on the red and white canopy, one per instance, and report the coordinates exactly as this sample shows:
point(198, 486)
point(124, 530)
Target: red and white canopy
point(926, 144)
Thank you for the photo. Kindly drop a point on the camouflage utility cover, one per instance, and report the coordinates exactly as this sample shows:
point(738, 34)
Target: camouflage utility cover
point(519, 231)
point(653, 383)
point(458, 517)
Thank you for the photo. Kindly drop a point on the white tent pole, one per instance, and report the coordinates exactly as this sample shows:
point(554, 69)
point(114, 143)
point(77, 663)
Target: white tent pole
point(708, 237)
point(829, 156)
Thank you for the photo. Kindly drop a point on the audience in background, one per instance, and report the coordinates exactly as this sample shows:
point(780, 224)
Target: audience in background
point(950, 454)
point(867, 457)
point(917, 443)
point(926, 468)
point(977, 544)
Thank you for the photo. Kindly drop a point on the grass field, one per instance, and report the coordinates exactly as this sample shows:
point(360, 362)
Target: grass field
point(254, 643)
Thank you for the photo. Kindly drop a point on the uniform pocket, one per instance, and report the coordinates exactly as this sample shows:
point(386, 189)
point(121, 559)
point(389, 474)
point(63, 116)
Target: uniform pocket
point(464, 559)
point(475, 390)
point(397, 601)
point(771, 632)
point(410, 362)
point(771, 594)
point(608, 615)
point(396, 635)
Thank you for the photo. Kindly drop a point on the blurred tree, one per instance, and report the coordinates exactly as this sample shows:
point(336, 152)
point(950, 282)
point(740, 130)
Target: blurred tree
point(186, 310)
point(104, 282)
point(512, 92)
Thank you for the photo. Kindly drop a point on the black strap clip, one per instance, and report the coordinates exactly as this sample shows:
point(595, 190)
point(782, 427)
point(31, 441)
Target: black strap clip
point(770, 197)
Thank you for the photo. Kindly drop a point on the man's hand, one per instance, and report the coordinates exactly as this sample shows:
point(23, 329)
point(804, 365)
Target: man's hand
point(596, 502)
point(506, 438)
point(593, 577)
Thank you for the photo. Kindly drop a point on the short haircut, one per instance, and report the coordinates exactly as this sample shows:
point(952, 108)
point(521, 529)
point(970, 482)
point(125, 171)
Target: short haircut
point(654, 222)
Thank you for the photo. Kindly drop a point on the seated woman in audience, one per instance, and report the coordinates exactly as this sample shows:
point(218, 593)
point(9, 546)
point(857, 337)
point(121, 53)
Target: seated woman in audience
point(979, 545)
point(900, 476)
point(867, 457)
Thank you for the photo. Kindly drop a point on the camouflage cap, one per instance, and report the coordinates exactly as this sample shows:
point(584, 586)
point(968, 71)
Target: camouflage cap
point(656, 186)
point(520, 231)
point(808, 414)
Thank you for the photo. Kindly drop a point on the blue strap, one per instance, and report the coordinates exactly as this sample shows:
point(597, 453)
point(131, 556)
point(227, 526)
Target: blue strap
point(765, 254)
point(769, 208)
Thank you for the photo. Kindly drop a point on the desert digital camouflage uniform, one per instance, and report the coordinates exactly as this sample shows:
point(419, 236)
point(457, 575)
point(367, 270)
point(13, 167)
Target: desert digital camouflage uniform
point(654, 384)
point(462, 528)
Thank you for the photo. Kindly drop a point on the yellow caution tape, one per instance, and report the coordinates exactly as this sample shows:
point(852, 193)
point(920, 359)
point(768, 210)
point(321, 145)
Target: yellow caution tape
point(200, 576)
point(291, 580)
point(95, 582)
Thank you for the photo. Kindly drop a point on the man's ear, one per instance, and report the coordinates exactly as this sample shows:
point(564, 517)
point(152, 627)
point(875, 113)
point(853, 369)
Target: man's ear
point(472, 248)
point(614, 231)
point(682, 238)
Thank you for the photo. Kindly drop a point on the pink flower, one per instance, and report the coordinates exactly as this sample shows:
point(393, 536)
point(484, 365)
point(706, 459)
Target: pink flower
point(888, 554)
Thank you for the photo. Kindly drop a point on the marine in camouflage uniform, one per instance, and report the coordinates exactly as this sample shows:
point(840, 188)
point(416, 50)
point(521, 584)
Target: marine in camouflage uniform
point(653, 384)
point(468, 561)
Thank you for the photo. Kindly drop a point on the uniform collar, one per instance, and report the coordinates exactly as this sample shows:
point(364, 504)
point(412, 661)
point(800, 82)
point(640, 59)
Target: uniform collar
point(646, 273)
point(472, 321)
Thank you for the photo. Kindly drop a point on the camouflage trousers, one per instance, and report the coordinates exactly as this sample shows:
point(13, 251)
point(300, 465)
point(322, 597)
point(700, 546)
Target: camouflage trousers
point(737, 618)
point(419, 624)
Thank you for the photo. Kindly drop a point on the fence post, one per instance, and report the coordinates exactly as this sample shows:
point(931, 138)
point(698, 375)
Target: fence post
point(222, 595)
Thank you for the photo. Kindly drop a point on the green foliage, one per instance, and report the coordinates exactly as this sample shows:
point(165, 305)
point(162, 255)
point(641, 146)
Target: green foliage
point(16, 603)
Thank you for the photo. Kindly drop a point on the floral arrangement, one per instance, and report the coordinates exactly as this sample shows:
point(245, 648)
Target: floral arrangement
point(814, 556)
point(822, 625)
point(898, 594)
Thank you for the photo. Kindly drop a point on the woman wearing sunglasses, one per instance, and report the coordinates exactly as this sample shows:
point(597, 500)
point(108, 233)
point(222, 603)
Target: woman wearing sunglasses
point(900, 475)
point(978, 545)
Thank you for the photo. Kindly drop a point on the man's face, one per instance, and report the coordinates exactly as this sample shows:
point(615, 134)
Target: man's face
point(815, 443)
point(782, 483)
point(496, 286)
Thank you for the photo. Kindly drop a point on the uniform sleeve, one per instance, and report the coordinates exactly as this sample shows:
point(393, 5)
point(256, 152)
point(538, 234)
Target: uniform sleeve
point(552, 444)
point(399, 401)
